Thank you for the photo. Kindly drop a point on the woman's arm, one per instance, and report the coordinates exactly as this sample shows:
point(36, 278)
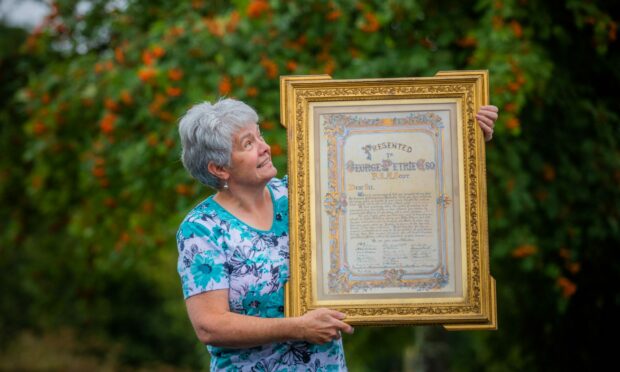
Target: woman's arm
point(216, 325)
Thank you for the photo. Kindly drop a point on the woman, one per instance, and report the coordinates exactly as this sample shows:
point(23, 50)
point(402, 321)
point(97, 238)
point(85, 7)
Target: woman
point(233, 250)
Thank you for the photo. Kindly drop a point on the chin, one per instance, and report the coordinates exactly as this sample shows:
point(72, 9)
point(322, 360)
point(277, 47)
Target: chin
point(273, 173)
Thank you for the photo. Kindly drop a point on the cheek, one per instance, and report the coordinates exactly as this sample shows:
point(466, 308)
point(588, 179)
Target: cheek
point(243, 161)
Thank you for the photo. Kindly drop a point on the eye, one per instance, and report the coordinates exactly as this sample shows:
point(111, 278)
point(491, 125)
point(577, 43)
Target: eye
point(247, 144)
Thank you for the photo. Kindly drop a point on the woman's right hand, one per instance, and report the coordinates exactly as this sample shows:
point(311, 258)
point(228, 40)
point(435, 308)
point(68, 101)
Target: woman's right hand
point(323, 325)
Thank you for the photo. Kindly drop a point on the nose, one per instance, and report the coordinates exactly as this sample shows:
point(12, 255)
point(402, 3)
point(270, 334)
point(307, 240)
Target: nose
point(264, 146)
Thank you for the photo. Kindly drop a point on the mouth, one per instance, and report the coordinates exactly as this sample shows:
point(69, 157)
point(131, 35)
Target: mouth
point(264, 163)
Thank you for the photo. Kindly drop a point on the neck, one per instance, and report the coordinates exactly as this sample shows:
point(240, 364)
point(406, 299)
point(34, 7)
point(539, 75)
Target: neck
point(245, 198)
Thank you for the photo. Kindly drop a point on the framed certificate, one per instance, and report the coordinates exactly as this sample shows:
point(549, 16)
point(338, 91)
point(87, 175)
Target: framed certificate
point(387, 193)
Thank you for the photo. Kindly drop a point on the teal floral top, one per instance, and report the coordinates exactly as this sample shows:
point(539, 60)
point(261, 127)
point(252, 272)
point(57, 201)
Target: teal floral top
point(217, 250)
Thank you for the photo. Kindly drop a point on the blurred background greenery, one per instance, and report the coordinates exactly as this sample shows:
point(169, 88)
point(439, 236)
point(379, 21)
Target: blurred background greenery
point(92, 189)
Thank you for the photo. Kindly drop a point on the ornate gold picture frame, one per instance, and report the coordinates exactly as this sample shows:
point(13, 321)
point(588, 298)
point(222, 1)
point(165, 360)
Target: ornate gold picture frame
point(387, 199)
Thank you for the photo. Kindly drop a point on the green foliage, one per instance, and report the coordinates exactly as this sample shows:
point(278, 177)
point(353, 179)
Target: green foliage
point(92, 189)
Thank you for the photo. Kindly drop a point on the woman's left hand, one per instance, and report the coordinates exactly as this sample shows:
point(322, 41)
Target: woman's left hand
point(486, 119)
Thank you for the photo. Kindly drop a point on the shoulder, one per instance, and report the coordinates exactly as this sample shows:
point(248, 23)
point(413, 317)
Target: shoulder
point(199, 221)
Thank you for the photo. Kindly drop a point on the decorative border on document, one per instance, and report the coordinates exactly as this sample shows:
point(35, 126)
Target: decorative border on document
point(337, 128)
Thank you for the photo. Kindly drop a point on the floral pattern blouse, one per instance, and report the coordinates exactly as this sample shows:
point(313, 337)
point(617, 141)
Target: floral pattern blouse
point(217, 250)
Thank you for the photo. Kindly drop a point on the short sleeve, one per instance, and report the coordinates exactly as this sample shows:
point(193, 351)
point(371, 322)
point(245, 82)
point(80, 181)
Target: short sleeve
point(202, 262)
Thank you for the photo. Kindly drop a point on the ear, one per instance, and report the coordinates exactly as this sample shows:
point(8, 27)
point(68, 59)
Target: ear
point(218, 171)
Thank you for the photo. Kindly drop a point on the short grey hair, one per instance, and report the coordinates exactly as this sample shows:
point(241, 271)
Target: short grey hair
point(207, 131)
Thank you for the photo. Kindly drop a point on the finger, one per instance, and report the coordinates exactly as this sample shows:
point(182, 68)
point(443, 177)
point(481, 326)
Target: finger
point(344, 327)
point(489, 114)
point(488, 132)
point(486, 121)
point(488, 135)
point(490, 108)
point(337, 314)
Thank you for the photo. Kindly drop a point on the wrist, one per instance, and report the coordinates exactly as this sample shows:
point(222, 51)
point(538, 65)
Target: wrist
point(297, 329)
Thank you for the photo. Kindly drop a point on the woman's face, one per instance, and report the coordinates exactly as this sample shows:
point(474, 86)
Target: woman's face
point(251, 158)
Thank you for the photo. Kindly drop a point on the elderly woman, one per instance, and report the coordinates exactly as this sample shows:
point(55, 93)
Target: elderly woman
point(234, 250)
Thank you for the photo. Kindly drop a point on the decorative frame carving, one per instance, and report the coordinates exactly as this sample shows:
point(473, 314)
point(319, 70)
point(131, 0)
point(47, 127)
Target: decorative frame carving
point(473, 303)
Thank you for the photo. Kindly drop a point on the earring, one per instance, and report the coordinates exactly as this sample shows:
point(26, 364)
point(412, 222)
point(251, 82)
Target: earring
point(225, 187)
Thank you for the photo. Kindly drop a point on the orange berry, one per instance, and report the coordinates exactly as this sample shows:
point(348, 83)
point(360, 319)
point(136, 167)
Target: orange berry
point(215, 27)
point(107, 123)
point(177, 31)
point(125, 237)
point(110, 202)
point(175, 74)
point(37, 182)
point(158, 51)
point(119, 55)
point(252, 91)
point(372, 23)
point(271, 68)
point(512, 123)
point(148, 206)
point(573, 267)
point(233, 21)
point(510, 107)
point(110, 104)
point(166, 116)
point(257, 7)
point(330, 66)
point(225, 86)
point(291, 65)
point(182, 189)
point(467, 42)
point(524, 251)
point(126, 97)
point(157, 103)
point(498, 22)
point(267, 125)
point(147, 58)
point(39, 128)
point(548, 172)
point(333, 15)
point(99, 172)
point(516, 28)
point(147, 74)
point(152, 139)
point(568, 287)
point(510, 184)
point(173, 91)
point(276, 149)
